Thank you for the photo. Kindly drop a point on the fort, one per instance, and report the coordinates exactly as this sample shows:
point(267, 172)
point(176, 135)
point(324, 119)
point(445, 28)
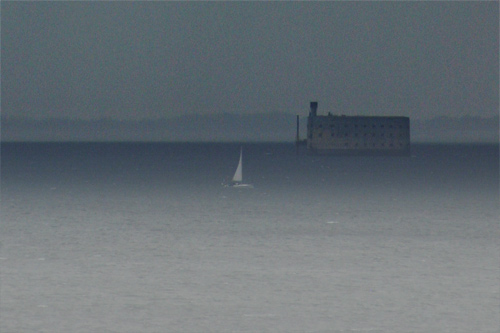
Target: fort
point(340, 134)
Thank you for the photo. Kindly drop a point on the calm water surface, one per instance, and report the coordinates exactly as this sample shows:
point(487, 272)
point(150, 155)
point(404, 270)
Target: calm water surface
point(122, 237)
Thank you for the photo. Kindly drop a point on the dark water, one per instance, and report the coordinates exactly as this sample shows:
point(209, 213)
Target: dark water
point(140, 237)
point(437, 176)
point(269, 166)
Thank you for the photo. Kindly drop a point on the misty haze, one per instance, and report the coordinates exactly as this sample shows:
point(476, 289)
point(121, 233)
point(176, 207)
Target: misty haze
point(125, 208)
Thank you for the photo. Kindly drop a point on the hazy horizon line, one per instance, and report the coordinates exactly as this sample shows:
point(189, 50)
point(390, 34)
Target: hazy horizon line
point(226, 127)
point(220, 114)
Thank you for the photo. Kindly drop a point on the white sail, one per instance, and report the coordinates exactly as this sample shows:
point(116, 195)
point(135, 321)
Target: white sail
point(238, 175)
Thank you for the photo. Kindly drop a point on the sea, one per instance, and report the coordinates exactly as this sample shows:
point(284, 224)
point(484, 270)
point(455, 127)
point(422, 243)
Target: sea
point(144, 237)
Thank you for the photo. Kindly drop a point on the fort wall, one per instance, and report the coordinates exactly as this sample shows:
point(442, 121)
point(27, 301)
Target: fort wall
point(357, 134)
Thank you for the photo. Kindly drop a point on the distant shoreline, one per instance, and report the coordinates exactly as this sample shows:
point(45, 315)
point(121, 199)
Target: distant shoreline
point(272, 127)
point(231, 143)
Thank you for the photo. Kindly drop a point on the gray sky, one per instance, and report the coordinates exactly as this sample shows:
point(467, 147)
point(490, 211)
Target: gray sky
point(132, 60)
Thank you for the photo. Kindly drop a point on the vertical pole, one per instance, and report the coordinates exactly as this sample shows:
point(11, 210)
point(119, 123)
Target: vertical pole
point(297, 138)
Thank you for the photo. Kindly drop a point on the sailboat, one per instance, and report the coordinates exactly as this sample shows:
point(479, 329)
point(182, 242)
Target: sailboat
point(237, 180)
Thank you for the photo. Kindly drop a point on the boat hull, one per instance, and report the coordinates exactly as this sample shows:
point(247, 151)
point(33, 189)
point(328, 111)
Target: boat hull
point(239, 185)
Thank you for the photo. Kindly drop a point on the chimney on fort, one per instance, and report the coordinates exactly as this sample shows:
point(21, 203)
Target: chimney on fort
point(314, 109)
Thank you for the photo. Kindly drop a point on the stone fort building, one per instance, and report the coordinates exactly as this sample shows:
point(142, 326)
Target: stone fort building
point(339, 134)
